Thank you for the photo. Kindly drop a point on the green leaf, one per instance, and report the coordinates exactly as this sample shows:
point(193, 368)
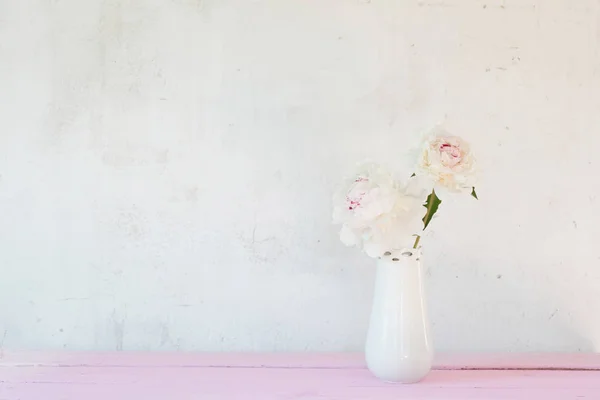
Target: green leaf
point(474, 194)
point(432, 204)
point(413, 175)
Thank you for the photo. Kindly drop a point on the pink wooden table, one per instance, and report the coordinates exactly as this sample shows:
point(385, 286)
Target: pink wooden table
point(183, 376)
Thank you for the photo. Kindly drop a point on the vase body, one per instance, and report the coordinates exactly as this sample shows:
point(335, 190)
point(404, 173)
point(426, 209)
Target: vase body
point(398, 347)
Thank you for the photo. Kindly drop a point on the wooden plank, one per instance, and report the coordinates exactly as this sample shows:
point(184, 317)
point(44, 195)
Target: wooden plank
point(323, 376)
point(95, 383)
point(564, 361)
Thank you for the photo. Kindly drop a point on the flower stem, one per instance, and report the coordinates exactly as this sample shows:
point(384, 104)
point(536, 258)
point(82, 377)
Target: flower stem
point(417, 241)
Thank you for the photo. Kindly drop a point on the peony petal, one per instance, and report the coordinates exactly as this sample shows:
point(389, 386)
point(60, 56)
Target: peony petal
point(349, 237)
point(374, 249)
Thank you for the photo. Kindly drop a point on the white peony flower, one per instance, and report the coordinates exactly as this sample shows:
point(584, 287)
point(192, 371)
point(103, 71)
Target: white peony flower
point(371, 192)
point(448, 162)
point(376, 212)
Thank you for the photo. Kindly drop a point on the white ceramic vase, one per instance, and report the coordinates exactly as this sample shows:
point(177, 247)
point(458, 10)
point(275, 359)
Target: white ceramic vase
point(398, 347)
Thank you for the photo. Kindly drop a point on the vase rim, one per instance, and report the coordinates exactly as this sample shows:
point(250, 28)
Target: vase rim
point(402, 254)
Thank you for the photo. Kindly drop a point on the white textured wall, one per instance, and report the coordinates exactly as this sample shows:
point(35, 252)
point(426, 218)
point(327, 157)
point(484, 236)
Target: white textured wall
point(166, 169)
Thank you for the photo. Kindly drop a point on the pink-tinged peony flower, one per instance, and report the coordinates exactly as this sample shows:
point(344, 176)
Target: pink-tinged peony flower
point(376, 212)
point(448, 162)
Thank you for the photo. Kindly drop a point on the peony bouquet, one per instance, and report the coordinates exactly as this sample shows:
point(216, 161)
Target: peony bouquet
point(379, 213)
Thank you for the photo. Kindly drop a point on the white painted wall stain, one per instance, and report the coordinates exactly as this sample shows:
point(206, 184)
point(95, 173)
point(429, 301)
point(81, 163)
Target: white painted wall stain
point(166, 169)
